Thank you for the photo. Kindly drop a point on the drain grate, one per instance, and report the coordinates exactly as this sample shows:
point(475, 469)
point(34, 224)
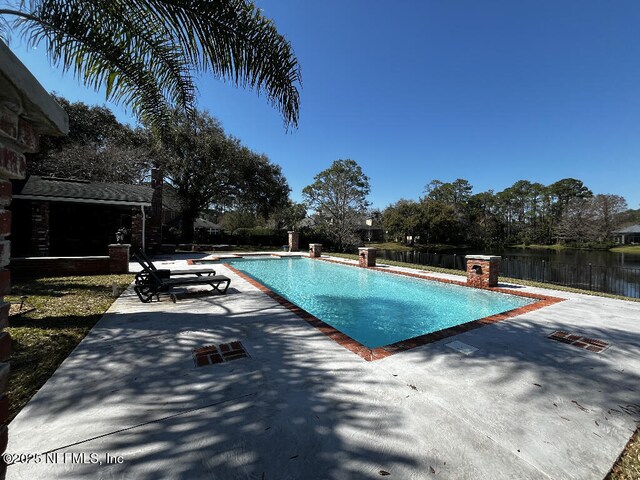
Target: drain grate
point(591, 344)
point(212, 354)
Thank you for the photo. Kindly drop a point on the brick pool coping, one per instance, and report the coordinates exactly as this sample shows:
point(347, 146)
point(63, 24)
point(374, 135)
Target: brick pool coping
point(370, 354)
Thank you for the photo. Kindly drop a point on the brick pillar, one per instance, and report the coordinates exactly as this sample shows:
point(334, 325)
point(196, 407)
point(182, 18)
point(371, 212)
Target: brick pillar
point(16, 137)
point(136, 228)
point(26, 111)
point(315, 250)
point(119, 258)
point(483, 270)
point(294, 241)
point(40, 228)
point(154, 226)
point(367, 257)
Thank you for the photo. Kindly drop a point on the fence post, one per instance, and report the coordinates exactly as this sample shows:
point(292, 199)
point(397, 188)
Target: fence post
point(590, 278)
point(543, 267)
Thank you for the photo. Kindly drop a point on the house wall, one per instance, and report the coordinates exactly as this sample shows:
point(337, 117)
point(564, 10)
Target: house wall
point(26, 111)
point(17, 136)
point(50, 228)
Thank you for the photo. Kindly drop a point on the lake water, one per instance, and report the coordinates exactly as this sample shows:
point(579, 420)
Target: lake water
point(603, 271)
point(569, 256)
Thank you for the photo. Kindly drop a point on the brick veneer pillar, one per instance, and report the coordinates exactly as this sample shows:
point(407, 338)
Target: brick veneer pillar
point(119, 258)
point(315, 250)
point(136, 228)
point(294, 241)
point(367, 257)
point(154, 226)
point(16, 137)
point(40, 229)
point(483, 270)
point(26, 111)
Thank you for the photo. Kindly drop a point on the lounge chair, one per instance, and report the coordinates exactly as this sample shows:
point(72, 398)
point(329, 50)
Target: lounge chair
point(146, 262)
point(151, 283)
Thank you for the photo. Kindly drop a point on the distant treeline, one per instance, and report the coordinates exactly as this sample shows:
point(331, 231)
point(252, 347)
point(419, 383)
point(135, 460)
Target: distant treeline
point(525, 213)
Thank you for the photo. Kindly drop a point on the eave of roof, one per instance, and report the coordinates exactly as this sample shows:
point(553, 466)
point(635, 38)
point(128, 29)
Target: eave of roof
point(18, 83)
point(629, 229)
point(95, 201)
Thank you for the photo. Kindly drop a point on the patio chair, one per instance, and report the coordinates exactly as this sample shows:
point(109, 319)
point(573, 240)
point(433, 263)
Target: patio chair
point(151, 283)
point(146, 262)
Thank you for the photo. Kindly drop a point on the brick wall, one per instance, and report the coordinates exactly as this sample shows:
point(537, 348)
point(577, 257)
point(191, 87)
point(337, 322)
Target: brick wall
point(40, 228)
point(26, 112)
point(119, 258)
point(17, 136)
point(59, 266)
point(154, 226)
point(136, 229)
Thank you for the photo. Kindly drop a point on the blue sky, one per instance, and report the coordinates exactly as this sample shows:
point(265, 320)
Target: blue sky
point(490, 91)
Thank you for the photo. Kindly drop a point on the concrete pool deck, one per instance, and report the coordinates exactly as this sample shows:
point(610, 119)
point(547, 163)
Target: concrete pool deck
point(519, 406)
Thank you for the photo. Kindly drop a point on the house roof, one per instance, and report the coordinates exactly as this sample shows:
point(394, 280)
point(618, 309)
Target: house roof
point(62, 189)
point(631, 229)
point(82, 191)
point(204, 223)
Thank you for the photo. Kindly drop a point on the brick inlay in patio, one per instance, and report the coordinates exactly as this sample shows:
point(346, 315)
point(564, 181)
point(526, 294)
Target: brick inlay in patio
point(591, 344)
point(212, 354)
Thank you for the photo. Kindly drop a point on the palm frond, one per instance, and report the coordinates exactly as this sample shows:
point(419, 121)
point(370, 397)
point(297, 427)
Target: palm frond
point(237, 43)
point(144, 52)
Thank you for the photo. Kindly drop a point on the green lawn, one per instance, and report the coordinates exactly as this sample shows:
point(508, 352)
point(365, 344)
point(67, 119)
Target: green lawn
point(65, 310)
point(627, 249)
point(541, 247)
point(399, 247)
point(391, 246)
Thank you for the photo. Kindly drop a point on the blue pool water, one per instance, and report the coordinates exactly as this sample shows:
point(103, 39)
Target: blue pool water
point(372, 307)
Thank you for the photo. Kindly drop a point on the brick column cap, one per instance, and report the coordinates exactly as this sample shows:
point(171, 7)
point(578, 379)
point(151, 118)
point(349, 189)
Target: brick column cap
point(482, 257)
point(367, 249)
point(292, 231)
point(314, 244)
point(119, 245)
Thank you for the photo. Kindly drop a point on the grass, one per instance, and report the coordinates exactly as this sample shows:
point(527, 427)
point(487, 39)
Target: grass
point(627, 249)
point(541, 247)
point(66, 308)
point(399, 247)
point(628, 465)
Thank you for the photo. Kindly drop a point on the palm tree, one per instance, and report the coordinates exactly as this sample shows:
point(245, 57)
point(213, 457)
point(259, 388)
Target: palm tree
point(145, 53)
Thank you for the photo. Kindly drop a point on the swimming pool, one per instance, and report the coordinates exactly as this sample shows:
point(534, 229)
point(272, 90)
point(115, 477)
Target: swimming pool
point(372, 307)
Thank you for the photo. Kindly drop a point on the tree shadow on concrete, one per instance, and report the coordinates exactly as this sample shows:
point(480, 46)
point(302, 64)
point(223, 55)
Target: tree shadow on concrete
point(300, 407)
point(566, 410)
